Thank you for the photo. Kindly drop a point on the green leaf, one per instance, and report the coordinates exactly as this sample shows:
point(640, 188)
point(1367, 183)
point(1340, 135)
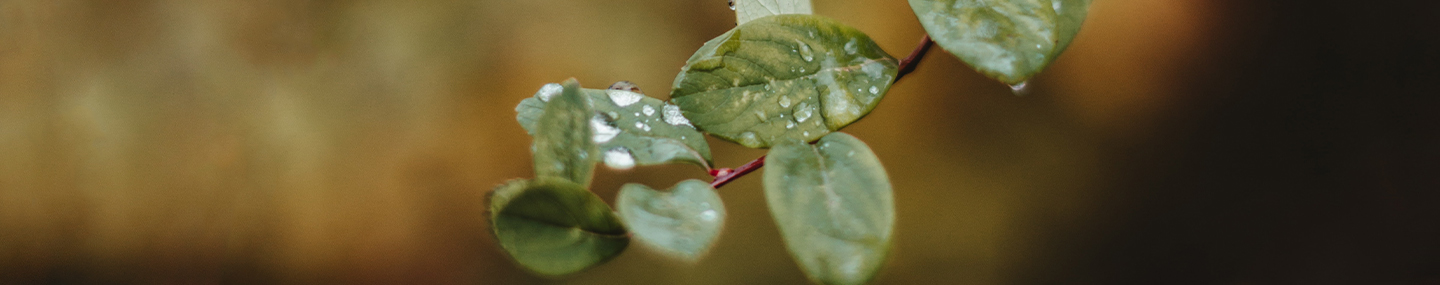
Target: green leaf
point(683, 222)
point(555, 227)
point(833, 204)
point(1008, 40)
point(747, 10)
point(783, 77)
point(563, 146)
point(644, 131)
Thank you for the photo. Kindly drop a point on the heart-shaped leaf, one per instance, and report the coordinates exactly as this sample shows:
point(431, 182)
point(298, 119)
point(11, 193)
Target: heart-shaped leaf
point(683, 222)
point(553, 226)
point(746, 10)
point(833, 204)
point(783, 77)
point(629, 127)
point(1008, 40)
point(563, 142)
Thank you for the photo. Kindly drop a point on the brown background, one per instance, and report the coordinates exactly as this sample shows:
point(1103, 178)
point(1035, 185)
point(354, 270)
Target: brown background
point(267, 141)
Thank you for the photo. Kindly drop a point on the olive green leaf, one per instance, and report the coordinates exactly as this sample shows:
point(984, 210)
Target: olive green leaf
point(553, 226)
point(746, 10)
point(1008, 40)
point(563, 143)
point(683, 222)
point(783, 77)
point(833, 204)
point(629, 127)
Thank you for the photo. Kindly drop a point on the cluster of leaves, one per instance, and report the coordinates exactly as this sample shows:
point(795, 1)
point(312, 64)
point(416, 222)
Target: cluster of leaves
point(781, 79)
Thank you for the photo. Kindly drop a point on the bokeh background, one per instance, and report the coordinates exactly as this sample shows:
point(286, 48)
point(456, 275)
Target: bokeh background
point(352, 142)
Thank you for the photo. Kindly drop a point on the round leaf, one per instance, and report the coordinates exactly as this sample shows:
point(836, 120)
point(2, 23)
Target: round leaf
point(554, 227)
point(833, 204)
point(783, 77)
point(644, 131)
point(683, 222)
point(563, 144)
point(1008, 40)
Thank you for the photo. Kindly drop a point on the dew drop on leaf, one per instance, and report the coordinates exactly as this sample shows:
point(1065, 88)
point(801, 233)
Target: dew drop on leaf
point(805, 51)
point(672, 115)
point(650, 111)
point(784, 101)
point(619, 158)
point(623, 98)
point(1020, 89)
point(625, 85)
point(549, 91)
point(604, 132)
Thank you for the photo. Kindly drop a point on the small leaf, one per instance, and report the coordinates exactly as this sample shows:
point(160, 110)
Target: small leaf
point(747, 10)
point(784, 77)
point(833, 204)
point(1008, 40)
point(555, 227)
point(645, 131)
point(563, 145)
point(683, 222)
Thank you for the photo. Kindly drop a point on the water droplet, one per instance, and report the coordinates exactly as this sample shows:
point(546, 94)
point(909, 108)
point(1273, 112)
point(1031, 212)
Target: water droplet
point(874, 90)
point(806, 133)
point(1056, 4)
point(1020, 89)
point(803, 112)
point(1037, 45)
point(639, 125)
point(613, 115)
point(784, 101)
point(732, 5)
point(625, 85)
point(548, 91)
point(671, 114)
point(852, 153)
point(748, 138)
point(760, 114)
point(735, 82)
point(789, 124)
point(709, 215)
point(649, 111)
point(623, 98)
point(619, 158)
point(805, 52)
point(852, 47)
point(604, 132)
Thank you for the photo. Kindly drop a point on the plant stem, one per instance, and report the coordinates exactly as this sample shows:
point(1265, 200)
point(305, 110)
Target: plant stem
point(908, 64)
point(725, 175)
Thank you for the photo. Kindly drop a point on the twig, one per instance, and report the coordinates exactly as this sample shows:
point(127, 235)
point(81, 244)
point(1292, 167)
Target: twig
point(908, 64)
point(725, 175)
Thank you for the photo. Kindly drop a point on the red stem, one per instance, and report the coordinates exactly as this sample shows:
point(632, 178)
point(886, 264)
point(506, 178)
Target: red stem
point(725, 175)
point(910, 62)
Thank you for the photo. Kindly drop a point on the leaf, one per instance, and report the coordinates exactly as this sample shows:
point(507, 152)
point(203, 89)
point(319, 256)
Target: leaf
point(783, 77)
point(747, 10)
point(833, 204)
point(562, 145)
point(683, 222)
point(1008, 40)
point(645, 131)
point(553, 226)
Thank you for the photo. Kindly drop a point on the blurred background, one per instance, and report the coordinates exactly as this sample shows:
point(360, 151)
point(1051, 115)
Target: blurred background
point(352, 142)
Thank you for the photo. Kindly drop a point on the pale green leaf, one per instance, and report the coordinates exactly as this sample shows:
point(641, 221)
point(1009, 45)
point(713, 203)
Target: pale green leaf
point(644, 131)
point(833, 204)
point(1008, 40)
point(563, 145)
point(747, 10)
point(783, 77)
point(683, 222)
point(553, 226)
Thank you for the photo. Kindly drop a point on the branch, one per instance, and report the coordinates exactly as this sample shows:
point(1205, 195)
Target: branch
point(908, 64)
point(725, 175)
